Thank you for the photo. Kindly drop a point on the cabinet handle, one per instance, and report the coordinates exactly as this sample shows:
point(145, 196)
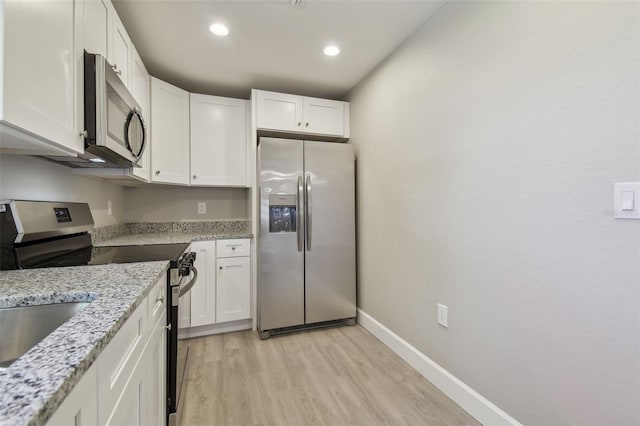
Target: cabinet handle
point(157, 172)
point(306, 125)
point(115, 68)
point(299, 123)
point(220, 267)
point(233, 248)
point(84, 134)
point(195, 177)
point(168, 327)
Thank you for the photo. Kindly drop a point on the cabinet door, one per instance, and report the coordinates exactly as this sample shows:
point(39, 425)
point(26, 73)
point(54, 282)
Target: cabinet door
point(119, 360)
point(97, 24)
point(233, 286)
point(121, 46)
point(203, 293)
point(156, 362)
point(140, 91)
point(323, 116)
point(80, 407)
point(279, 111)
point(218, 141)
point(131, 408)
point(41, 78)
point(170, 130)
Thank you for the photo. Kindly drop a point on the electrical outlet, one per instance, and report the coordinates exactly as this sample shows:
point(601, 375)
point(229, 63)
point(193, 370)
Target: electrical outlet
point(443, 315)
point(202, 208)
point(109, 207)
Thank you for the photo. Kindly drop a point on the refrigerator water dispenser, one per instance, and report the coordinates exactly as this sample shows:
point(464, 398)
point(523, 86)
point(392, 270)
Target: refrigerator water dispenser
point(282, 213)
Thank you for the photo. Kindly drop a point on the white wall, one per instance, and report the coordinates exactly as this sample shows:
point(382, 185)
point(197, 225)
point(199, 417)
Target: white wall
point(488, 145)
point(30, 178)
point(149, 204)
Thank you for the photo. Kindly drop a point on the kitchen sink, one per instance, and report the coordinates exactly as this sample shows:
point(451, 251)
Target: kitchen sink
point(21, 328)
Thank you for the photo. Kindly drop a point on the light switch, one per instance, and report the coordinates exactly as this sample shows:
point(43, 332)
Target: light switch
point(626, 202)
point(625, 195)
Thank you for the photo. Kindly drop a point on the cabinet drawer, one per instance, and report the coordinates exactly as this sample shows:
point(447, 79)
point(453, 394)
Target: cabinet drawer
point(119, 359)
point(157, 302)
point(232, 248)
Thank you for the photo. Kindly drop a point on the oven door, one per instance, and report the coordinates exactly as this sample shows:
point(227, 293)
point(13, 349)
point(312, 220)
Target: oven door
point(178, 350)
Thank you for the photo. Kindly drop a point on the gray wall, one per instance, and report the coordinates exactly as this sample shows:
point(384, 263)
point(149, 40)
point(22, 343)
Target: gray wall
point(30, 178)
point(488, 145)
point(151, 204)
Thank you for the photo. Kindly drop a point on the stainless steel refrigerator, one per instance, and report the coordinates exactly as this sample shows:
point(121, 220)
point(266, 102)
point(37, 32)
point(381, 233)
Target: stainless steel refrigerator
point(306, 241)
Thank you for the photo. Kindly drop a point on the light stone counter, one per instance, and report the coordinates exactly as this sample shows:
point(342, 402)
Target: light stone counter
point(34, 386)
point(131, 234)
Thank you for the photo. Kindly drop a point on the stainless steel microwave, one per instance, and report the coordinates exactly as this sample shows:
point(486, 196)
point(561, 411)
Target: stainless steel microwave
point(114, 128)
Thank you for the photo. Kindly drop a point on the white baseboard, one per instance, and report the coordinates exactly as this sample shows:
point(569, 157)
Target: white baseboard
point(471, 401)
point(206, 330)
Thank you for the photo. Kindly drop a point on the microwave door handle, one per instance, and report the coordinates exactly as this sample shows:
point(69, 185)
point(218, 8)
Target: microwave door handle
point(300, 235)
point(184, 289)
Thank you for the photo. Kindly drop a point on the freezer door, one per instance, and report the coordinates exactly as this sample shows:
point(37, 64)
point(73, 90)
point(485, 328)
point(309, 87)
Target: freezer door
point(281, 254)
point(330, 252)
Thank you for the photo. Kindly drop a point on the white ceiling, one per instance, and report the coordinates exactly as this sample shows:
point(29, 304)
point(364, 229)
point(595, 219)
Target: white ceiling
point(272, 45)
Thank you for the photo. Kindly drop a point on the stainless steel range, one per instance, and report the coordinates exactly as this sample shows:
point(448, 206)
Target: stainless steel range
point(44, 234)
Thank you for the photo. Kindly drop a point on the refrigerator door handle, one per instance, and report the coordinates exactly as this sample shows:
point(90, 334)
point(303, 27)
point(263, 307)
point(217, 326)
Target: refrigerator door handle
point(299, 215)
point(308, 212)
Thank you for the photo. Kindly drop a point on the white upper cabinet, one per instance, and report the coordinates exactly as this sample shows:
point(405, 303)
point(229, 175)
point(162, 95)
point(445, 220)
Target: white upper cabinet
point(41, 59)
point(107, 36)
point(140, 89)
point(170, 131)
point(279, 111)
point(218, 141)
point(121, 50)
point(323, 116)
point(98, 15)
point(300, 114)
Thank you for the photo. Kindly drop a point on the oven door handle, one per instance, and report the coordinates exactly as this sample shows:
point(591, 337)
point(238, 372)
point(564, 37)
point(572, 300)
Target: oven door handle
point(185, 288)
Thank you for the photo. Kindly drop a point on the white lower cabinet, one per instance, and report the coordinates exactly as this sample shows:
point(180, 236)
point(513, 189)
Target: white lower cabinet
point(156, 359)
point(126, 384)
point(233, 286)
point(80, 408)
point(142, 401)
point(233, 280)
point(130, 408)
point(203, 293)
point(223, 291)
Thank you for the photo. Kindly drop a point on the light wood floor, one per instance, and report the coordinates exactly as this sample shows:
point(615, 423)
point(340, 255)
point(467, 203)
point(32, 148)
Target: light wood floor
point(335, 376)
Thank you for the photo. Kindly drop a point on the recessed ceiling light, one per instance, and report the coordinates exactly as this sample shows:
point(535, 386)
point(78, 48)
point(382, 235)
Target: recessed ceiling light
point(219, 29)
point(331, 50)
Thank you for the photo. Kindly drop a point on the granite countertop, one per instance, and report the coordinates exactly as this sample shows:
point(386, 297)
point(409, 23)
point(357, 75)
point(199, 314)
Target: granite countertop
point(133, 234)
point(34, 386)
point(167, 238)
